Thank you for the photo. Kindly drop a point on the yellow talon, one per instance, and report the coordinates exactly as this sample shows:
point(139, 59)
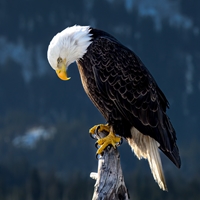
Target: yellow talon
point(102, 127)
point(110, 139)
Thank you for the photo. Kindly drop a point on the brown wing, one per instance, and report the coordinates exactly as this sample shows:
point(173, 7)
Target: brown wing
point(122, 77)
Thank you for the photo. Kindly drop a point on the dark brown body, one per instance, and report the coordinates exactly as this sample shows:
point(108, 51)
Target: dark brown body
point(125, 93)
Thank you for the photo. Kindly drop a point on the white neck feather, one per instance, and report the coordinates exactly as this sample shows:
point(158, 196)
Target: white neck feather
point(70, 44)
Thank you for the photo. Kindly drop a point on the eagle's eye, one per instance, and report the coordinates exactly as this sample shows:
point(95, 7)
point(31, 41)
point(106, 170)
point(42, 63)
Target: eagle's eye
point(59, 60)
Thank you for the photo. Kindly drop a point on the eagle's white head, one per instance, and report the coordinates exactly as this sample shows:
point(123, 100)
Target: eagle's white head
point(66, 47)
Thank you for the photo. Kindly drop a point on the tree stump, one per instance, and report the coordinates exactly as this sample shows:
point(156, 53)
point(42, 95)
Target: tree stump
point(110, 183)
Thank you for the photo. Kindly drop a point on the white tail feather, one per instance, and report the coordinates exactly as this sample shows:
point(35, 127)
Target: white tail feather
point(146, 147)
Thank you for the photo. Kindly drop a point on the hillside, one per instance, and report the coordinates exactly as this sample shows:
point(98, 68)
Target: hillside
point(165, 35)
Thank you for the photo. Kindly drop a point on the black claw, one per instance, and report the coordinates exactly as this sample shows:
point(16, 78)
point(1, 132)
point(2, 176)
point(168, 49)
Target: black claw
point(121, 141)
point(99, 155)
point(93, 136)
point(96, 145)
point(97, 130)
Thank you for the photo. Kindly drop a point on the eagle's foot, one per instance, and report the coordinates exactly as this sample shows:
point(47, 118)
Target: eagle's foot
point(99, 128)
point(110, 139)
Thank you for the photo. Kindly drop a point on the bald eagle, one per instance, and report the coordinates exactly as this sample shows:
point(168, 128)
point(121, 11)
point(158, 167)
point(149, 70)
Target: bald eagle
point(122, 89)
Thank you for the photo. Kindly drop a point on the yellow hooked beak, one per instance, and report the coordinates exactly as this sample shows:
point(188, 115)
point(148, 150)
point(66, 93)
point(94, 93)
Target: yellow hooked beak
point(62, 72)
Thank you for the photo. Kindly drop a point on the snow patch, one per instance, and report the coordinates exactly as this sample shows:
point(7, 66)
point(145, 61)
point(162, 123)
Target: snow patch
point(31, 60)
point(159, 10)
point(32, 136)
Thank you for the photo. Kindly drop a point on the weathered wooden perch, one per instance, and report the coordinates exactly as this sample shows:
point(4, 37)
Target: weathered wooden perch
point(110, 183)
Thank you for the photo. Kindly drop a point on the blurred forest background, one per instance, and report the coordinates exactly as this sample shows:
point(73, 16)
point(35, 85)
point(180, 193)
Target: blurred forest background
point(45, 149)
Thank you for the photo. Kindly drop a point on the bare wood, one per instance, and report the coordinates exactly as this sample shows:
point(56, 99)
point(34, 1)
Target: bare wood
point(110, 183)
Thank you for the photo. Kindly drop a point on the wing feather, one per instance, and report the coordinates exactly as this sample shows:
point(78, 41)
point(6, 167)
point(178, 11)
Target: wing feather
point(122, 77)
